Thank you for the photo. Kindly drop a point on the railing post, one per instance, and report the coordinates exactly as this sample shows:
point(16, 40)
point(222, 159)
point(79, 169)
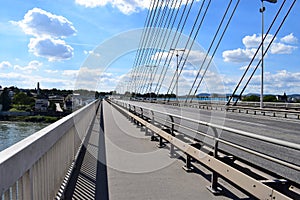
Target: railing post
point(153, 138)
point(161, 144)
point(172, 149)
point(130, 110)
point(214, 177)
point(188, 163)
point(27, 185)
point(146, 127)
point(142, 116)
point(134, 112)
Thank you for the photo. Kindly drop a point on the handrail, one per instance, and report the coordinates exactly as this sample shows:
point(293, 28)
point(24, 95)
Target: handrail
point(44, 157)
point(243, 133)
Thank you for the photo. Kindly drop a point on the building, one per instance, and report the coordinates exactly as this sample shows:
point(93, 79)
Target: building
point(41, 105)
point(282, 98)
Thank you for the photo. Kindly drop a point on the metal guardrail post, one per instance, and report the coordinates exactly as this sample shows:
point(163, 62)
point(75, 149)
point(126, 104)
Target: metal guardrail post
point(214, 177)
point(161, 144)
point(188, 163)
point(134, 112)
point(153, 138)
point(172, 147)
point(131, 118)
point(142, 116)
point(146, 127)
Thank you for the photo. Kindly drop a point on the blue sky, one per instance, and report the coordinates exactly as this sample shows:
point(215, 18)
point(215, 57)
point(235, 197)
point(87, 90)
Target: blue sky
point(50, 41)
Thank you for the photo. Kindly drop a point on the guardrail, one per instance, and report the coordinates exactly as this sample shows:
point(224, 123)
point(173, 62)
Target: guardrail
point(284, 110)
point(265, 111)
point(35, 167)
point(261, 185)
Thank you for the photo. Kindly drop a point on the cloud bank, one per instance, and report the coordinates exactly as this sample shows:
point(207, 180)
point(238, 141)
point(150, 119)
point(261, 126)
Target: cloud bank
point(285, 45)
point(128, 7)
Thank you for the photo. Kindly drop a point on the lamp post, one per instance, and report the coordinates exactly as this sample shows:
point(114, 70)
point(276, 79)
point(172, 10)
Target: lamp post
point(177, 71)
point(262, 10)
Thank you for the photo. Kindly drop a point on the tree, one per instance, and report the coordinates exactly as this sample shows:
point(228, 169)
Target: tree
point(251, 98)
point(270, 98)
point(5, 100)
point(22, 99)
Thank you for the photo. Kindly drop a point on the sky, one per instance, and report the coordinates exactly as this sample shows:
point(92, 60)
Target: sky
point(53, 42)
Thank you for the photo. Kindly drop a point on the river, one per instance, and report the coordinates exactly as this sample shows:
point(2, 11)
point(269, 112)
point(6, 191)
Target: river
point(13, 132)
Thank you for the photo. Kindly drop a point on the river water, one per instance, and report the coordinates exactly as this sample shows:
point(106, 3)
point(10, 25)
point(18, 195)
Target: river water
point(13, 132)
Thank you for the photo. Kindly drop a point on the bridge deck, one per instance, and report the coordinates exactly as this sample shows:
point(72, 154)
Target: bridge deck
point(122, 163)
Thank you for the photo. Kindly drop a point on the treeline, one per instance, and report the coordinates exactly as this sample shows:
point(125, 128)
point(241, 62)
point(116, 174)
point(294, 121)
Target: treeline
point(267, 98)
point(152, 95)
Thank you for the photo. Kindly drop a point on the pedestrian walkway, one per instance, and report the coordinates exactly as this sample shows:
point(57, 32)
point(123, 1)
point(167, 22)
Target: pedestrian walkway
point(120, 162)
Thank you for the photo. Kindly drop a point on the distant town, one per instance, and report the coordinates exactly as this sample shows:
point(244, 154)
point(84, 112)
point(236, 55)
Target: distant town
point(42, 105)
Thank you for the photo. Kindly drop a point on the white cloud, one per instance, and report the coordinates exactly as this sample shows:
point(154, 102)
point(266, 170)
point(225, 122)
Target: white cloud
point(125, 6)
point(85, 74)
point(32, 66)
point(51, 71)
point(280, 48)
point(254, 40)
point(128, 6)
point(274, 83)
point(245, 67)
point(73, 73)
point(282, 81)
point(251, 44)
point(38, 22)
point(52, 49)
point(290, 39)
point(30, 80)
point(93, 78)
point(238, 55)
point(5, 64)
point(195, 57)
point(91, 53)
point(48, 30)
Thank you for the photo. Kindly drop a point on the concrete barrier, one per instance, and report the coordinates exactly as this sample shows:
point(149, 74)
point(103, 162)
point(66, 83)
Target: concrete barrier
point(35, 167)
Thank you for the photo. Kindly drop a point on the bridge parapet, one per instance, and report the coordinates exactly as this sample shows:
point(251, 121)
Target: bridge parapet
point(35, 167)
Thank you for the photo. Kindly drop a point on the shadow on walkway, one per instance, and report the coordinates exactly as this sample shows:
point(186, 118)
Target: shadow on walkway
point(89, 177)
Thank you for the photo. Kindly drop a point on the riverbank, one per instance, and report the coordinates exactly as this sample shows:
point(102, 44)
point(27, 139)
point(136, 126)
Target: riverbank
point(35, 119)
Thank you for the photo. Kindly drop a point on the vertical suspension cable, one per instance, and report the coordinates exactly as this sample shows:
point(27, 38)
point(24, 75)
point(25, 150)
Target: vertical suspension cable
point(216, 48)
point(254, 56)
point(167, 60)
point(265, 52)
point(193, 40)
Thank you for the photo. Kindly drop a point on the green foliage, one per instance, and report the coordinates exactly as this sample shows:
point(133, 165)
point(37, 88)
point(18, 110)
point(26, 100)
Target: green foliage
point(270, 98)
point(252, 98)
point(23, 99)
point(37, 119)
point(5, 100)
point(45, 119)
point(52, 106)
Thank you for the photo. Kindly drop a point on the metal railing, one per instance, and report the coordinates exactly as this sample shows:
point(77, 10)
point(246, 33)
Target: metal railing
point(158, 124)
point(274, 109)
point(35, 167)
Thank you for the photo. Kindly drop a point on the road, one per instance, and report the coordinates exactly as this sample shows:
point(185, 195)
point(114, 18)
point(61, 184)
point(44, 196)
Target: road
point(279, 128)
point(120, 162)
